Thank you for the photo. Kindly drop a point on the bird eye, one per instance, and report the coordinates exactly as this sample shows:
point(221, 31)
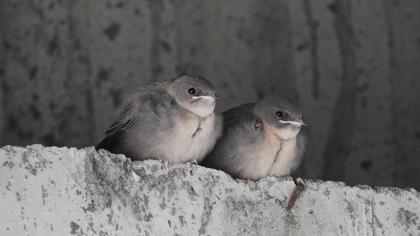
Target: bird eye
point(192, 91)
point(279, 114)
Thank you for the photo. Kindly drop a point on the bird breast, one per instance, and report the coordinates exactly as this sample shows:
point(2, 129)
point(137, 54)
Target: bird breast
point(272, 157)
point(191, 139)
point(261, 157)
point(286, 159)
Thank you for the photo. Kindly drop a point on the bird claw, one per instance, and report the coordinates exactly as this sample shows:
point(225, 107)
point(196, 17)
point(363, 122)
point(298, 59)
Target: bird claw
point(164, 164)
point(191, 165)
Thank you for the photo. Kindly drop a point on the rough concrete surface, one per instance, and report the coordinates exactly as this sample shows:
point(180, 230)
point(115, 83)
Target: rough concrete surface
point(65, 191)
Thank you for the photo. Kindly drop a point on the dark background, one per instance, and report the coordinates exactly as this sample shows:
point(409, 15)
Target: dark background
point(353, 65)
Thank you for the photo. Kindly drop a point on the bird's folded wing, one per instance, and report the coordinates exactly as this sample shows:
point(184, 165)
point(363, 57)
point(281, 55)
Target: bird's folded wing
point(146, 106)
point(236, 112)
point(242, 119)
point(241, 130)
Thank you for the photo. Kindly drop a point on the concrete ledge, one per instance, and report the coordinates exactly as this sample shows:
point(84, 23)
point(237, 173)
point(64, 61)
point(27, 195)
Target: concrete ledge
point(65, 191)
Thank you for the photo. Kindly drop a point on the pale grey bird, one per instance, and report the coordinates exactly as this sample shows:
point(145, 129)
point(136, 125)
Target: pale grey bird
point(259, 140)
point(172, 120)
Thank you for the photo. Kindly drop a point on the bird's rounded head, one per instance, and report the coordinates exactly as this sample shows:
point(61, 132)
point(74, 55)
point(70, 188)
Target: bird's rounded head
point(284, 117)
point(194, 93)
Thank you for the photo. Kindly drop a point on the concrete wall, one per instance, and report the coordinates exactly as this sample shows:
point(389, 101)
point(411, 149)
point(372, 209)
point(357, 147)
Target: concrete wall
point(65, 191)
point(354, 65)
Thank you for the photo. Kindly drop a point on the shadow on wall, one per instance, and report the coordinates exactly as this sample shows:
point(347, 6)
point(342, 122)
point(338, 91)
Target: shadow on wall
point(352, 65)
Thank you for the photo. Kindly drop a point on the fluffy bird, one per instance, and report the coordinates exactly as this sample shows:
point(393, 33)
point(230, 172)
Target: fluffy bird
point(172, 120)
point(260, 139)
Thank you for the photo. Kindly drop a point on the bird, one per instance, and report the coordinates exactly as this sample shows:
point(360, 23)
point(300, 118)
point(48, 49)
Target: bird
point(171, 120)
point(260, 139)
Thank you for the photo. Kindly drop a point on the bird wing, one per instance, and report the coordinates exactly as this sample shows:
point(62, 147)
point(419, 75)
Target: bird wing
point(146, 107)
point(126, 119)
point(242, 129)
point(243, 118)
point(238, 111)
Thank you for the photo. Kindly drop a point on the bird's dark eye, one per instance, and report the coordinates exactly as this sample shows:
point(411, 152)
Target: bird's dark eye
point(279, 114)
point(192, 91)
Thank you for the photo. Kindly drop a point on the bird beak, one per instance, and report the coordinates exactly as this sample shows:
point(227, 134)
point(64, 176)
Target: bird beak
point(297, 123)
point(204, 97)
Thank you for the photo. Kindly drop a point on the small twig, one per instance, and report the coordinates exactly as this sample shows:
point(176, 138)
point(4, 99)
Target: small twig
point(300, 186)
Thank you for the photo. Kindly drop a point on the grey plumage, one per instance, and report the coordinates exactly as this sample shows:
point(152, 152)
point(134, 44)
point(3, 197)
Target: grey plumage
point(260, 139)
point(172, 120)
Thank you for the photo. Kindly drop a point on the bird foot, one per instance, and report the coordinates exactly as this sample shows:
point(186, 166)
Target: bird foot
point(164, 164)
point(191, 165)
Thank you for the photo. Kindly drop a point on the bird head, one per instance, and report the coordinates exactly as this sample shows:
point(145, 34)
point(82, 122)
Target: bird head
point(281, 115)
point(194, 93)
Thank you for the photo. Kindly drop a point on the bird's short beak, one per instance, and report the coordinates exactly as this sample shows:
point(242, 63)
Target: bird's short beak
point(204, 97)
point(297, 123)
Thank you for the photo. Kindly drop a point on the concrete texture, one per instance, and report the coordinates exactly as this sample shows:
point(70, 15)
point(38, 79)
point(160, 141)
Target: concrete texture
point(353, 65)
point(66, 191)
